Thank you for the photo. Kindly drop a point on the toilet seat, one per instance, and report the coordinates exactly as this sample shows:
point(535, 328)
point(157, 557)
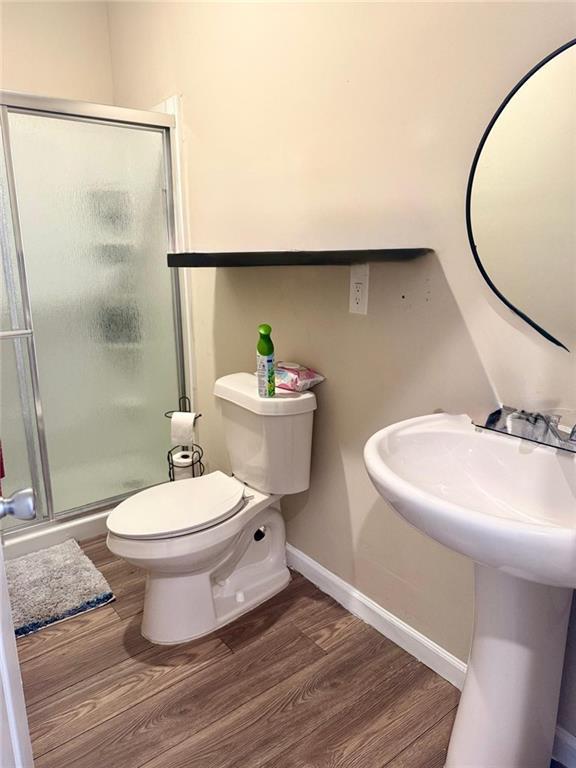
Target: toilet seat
point(178, 508)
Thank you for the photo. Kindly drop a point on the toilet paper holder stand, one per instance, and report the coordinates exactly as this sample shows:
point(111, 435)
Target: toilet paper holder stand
point(195, 451)
point(184, 404)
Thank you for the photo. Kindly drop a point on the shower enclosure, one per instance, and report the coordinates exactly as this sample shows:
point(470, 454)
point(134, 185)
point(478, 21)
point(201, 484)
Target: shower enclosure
point(91, 352)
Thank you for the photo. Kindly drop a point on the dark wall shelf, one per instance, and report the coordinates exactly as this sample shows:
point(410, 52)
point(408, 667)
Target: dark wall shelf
point(292, 258)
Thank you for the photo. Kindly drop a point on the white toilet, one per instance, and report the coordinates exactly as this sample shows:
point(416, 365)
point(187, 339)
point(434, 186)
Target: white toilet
point(213, 547)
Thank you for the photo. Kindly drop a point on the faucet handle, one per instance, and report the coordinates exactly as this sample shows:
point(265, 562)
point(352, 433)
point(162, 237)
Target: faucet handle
point(554, 422)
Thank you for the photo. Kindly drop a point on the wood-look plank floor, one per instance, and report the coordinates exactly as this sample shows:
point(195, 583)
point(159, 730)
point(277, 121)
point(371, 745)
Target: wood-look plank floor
point(297, 683)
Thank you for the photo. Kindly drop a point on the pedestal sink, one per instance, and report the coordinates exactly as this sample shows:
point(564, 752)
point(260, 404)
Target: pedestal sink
point(510, 505)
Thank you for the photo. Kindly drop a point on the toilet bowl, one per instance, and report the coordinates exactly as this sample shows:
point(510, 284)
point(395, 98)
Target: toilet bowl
point(213, 547)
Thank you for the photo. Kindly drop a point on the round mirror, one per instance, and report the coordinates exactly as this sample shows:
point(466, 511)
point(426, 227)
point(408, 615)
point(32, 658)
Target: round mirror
point(521, 199)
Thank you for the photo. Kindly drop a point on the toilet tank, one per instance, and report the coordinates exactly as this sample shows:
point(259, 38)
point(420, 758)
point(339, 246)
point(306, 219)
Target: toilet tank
point(269, 439)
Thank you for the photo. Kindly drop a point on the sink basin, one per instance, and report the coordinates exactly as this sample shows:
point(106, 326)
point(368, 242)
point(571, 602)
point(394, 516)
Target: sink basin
point(503, 501)
point(510, 505)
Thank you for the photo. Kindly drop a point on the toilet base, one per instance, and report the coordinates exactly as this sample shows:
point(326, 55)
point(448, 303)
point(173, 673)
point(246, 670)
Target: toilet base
point(179, 607)
point(226, 610)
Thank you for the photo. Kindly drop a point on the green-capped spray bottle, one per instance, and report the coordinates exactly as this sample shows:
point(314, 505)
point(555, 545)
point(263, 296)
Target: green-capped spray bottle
point(265, 362)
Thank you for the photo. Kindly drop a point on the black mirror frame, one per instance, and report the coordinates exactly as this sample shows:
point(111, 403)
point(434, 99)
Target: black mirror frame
point(483, 140)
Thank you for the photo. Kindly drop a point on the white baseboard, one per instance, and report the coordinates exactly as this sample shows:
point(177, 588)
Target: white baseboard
point(415, 643)
point(425, 650)
point(48, 534)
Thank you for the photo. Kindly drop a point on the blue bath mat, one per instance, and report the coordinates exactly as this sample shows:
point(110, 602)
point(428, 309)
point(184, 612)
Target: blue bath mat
point(52, 585)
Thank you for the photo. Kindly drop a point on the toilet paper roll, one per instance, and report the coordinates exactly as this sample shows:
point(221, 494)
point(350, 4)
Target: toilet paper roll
point(182, 465)
point(182, 428)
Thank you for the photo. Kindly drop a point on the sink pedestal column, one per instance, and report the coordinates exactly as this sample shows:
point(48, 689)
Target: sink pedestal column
point(507, 713)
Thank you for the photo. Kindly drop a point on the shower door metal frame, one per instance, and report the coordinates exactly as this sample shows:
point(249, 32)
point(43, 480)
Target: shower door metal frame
point(107, 115)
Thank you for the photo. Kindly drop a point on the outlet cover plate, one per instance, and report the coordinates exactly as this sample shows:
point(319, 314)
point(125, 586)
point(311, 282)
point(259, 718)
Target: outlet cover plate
point(359, 278)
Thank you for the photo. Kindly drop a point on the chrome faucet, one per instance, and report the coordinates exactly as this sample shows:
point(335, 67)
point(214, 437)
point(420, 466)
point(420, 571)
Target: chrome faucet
point(538, 427)
point(553, 422)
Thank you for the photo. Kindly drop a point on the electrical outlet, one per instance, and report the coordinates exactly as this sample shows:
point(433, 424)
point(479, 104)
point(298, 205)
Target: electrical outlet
point(359, 274)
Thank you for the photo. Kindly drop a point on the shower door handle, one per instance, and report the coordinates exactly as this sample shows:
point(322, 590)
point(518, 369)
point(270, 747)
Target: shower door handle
point(22, 505)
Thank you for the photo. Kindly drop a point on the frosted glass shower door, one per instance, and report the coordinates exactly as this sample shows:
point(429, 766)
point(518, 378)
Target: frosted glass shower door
point(91, 200)
point(20, 459)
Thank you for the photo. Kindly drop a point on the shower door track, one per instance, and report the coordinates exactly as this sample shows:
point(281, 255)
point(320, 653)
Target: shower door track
point(92, 113)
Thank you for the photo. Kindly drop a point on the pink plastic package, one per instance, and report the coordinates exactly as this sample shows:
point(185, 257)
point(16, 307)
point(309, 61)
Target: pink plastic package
point(295, 377)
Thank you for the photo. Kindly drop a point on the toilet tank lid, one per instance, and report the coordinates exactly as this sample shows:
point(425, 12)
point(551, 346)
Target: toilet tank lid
point(242, 389)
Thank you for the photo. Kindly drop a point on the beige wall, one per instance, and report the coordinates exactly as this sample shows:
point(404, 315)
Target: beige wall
point(56, 49)
point(349, 125)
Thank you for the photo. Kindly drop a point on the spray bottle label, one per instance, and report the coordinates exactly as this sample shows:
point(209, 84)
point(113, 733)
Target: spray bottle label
point(266, 375)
